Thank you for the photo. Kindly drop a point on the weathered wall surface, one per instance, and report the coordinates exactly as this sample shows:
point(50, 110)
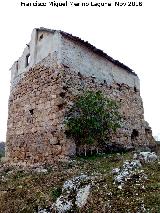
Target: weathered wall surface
point(35, 117)
point(89, 63)
point(38, 103)
point(70, 53)
point(52, 70)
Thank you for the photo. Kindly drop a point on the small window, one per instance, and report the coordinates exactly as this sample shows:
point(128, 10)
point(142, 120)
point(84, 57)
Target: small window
point(41, 37)
point(135, 89)
point(27, 60)
point(17, 66)
point(31, 111)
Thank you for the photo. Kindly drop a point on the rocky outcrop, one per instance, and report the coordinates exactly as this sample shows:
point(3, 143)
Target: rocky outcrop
point(74, 194)
point(132, 169)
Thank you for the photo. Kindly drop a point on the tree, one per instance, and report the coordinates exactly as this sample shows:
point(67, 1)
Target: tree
point(92, 118)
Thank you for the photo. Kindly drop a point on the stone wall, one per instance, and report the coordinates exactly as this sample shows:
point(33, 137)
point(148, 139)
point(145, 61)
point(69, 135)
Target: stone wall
point(38, 103)
point(35, 117)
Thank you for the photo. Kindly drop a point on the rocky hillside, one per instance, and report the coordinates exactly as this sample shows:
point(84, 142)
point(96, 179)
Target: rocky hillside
point(117, 183)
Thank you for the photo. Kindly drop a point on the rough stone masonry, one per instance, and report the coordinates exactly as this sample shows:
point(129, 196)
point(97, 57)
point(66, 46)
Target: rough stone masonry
point(55, 67)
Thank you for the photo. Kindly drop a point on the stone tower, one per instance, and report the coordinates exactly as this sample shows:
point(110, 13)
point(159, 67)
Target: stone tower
point(54, 67)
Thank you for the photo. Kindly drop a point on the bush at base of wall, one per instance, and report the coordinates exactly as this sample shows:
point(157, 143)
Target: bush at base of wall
point(92, 119)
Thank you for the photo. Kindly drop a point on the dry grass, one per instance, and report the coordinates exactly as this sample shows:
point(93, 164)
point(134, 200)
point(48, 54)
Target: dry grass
point(26, 191)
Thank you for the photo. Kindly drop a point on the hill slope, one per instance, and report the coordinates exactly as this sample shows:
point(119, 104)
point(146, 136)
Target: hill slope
point(88, 185)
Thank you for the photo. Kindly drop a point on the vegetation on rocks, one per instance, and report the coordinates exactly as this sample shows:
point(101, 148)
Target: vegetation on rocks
point(31, 190)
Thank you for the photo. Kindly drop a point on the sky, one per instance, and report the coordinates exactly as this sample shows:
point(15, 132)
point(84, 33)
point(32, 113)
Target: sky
point(127, 33)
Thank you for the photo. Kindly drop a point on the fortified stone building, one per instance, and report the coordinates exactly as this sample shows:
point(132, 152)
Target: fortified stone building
point(55, 67)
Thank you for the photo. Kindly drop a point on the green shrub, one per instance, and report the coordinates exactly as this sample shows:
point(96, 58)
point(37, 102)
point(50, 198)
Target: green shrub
point(92, 118)
point(56, 192)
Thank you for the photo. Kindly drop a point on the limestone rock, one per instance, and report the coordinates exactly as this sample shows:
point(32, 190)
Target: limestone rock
point(74, 192)
point(126, 171)
point(146, 157)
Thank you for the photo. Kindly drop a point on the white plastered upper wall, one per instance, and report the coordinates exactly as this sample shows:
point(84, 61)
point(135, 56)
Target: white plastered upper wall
point(42, 43)
point(70, 53)
point(89, 63)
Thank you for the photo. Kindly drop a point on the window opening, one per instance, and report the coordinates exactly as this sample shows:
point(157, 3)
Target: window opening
point(27, 60)
point(41, 37)
point(31, 111)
